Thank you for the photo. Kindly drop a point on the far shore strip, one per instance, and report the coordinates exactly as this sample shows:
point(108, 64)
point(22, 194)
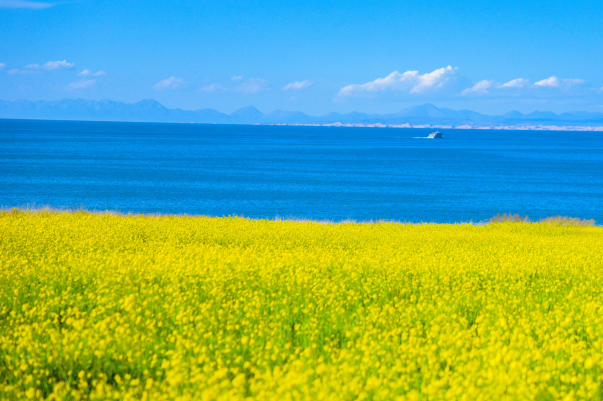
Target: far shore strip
point(466, 126)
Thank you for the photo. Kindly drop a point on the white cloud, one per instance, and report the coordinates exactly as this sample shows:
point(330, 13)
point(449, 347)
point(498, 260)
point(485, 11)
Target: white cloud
point(253, 85)
point(213, 88)
point(52, 65)
point(448, 82)
point(36, 5)
point(409, 82)
point(480, 88)
point(516, 83)
point(83, 84)
point(87, 72)
point(172, 83)
point(13, 71)
point(236, 78)
point(2, 65)
point(435, 79)
point(297, 85)
point(555, 82)
point(58, 65)
point(546, 89)
point(552, 81)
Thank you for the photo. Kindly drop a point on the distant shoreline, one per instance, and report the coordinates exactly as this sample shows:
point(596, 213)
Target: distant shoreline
point(500, 128)
point(580, 128)
point(425, 116)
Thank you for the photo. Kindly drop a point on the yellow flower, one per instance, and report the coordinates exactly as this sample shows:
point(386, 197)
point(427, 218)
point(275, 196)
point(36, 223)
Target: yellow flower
point(101, 306)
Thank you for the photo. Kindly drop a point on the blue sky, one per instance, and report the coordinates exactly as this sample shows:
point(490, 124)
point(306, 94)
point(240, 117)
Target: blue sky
point(312, 56)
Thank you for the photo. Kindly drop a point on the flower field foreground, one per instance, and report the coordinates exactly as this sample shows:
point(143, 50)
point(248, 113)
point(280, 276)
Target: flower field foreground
point(98, 306)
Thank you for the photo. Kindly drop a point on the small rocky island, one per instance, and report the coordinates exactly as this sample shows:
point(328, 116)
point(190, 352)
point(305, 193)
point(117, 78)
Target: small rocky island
point(436, 134)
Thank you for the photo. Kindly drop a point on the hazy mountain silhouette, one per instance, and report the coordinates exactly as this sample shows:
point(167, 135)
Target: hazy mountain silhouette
point(248, 115)
point(541, 115)
point(288, 117)
point(513, 114)
point(152, 111)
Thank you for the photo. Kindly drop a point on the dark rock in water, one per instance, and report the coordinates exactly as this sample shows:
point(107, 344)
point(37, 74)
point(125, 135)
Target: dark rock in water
point(436, 134)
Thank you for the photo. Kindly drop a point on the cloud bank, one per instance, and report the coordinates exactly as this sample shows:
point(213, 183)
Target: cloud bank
point(447, 83)
point(411, 82)
point(521, 88)
point(442, 84)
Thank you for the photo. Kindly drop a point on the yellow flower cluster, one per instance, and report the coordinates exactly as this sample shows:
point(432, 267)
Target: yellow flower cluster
point(98, 306)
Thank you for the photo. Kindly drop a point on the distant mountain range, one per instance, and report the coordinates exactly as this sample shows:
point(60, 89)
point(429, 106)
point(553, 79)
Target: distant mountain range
point(152, 111)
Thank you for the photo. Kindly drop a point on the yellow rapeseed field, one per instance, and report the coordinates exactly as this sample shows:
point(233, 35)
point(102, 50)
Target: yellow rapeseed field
point(100, 306)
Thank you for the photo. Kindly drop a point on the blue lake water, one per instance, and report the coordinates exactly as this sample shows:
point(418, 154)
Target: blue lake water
point(304, 172)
